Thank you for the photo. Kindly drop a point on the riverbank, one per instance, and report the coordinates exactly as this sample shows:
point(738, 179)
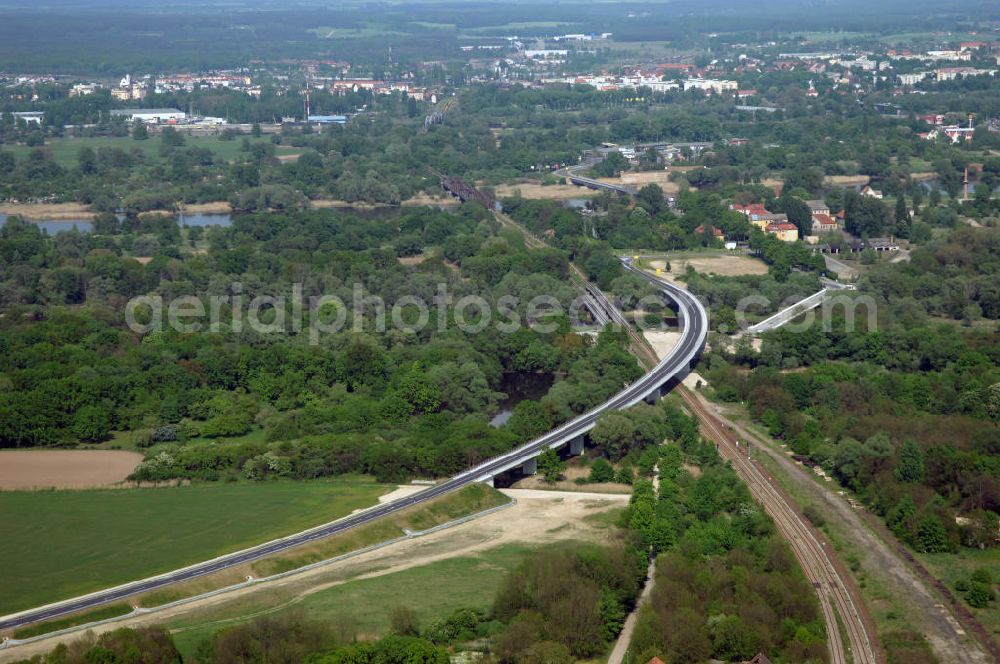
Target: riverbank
point(48, 211)
point(77, 212)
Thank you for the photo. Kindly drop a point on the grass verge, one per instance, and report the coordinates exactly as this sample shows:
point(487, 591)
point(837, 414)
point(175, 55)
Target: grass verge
point(469, 500)
point(102, 613)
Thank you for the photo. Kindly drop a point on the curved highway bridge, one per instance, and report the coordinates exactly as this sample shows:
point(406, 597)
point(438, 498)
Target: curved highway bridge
point(651, 386)
point(570, 174)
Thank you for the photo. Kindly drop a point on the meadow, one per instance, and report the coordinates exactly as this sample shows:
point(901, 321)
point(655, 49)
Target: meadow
point(59, 544)
point(66, 150)
point(433, 591)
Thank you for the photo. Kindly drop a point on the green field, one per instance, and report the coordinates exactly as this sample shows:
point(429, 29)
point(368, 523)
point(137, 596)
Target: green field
point(433, 591)
point(65, 150)
point(58, 544)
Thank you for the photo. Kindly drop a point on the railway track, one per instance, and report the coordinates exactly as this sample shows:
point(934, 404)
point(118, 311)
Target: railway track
point(834, 591)
point(832, 583)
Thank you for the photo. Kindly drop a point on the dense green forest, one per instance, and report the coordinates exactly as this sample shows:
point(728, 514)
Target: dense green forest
point(395, 403)
point(727, 586)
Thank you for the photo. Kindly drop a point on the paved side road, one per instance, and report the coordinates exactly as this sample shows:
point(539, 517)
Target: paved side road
point(618, 653)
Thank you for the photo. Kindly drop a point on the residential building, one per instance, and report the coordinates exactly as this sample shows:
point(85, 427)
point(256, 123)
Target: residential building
point(709, 85)
point(951, 73)
point(784, 231)
point(762, 221)
point(957, 134)
point(954, 133)
point(750, 209)
point(822, 222)
point(949, 55)
point(715, 231)
point(818, 207)
point(83, 89)
point(873, 193)
point(912, 78)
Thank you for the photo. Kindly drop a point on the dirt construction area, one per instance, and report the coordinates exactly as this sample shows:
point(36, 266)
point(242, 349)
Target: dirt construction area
point(64, 469)
point(538, 517)
point(536, 191)
point(642, 178)
point(724, 265)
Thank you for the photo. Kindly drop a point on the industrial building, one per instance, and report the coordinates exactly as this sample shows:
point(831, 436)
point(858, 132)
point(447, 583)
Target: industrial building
point(151, 115)
point(35, 117)
point(328, 119)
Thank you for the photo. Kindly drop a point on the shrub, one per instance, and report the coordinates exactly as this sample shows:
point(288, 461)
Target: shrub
point(625, 475)
point(815, 518)
point(979, 595)
point(983, 576)
point(165, 433)
point(601, 471)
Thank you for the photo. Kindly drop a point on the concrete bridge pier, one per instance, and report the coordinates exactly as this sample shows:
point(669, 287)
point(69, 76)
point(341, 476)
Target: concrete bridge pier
point(530, 466)
point(576, 446)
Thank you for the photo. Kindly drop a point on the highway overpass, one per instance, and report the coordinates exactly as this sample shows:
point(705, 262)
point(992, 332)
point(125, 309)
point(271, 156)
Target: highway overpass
point(657, 382)
point(805, 304)
point(579, 180)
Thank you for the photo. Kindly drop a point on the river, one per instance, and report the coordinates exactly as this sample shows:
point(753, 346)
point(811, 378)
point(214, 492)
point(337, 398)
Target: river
point(519, 386)
point(86, 225)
